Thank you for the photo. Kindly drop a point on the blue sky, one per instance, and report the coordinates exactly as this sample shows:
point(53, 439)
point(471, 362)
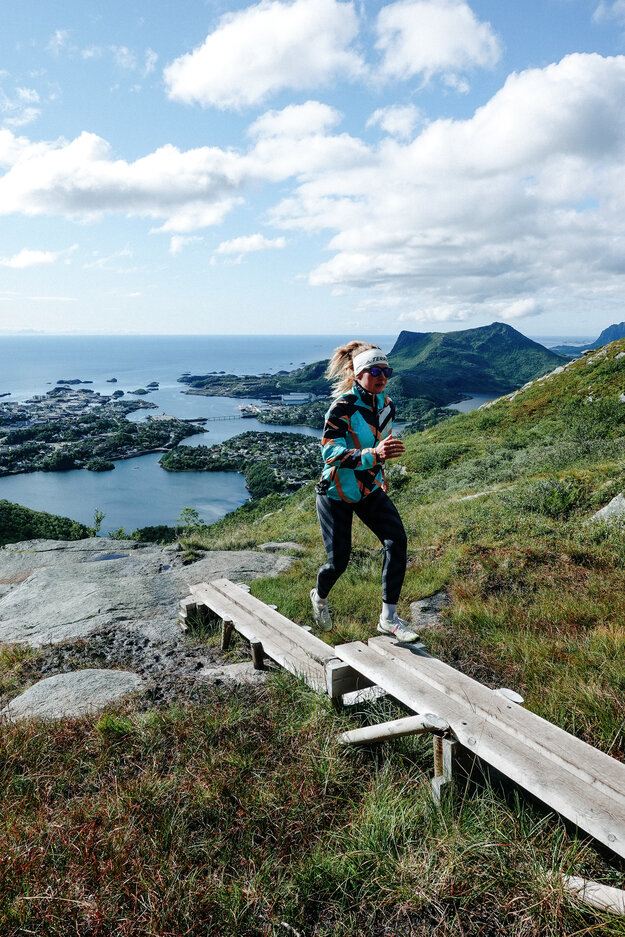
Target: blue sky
point(312, 166)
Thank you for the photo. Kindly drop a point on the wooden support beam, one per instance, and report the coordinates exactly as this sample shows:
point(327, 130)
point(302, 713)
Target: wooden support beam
point(187, 607)
point(604, 897)
point(227, 627)
point(282, 640)
point(258, 653)
point(445, 751)
point(341, 679)
point(192, 612)
point(396, 728)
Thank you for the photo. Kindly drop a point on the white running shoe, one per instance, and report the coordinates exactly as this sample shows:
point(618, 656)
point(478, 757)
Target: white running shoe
point(321, 611)
point(397, 627)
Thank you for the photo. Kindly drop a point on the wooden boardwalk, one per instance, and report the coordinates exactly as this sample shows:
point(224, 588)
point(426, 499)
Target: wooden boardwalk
point(582, 784)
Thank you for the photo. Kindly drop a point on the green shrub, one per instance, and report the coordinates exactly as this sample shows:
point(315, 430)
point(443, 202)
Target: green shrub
point(20, 523)
point(553, 497)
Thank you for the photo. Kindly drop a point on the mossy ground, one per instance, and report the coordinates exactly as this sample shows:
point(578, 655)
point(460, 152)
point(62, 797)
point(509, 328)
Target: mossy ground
point(243, 813)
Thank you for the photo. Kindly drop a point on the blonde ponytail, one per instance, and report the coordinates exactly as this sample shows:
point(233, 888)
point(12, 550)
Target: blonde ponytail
point(340, 368)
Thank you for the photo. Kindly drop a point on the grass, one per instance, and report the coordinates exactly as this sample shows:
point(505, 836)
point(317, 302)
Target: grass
point(243, 813)
point(237, 817)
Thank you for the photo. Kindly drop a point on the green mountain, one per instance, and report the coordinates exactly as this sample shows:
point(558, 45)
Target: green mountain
point(432, 369)
point(491, 359)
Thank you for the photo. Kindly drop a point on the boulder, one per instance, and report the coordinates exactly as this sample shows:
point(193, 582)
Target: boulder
point(73, 694)
point(615, 508)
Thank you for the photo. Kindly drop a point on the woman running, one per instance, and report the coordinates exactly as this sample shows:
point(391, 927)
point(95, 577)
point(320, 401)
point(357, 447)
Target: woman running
point(356, 442)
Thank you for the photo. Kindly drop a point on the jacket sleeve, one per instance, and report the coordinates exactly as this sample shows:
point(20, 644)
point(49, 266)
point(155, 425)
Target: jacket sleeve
point(338, 441)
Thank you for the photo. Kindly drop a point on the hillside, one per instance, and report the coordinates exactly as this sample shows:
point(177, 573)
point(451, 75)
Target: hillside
point(20, 523)
point(496, 504)
point(243, 809)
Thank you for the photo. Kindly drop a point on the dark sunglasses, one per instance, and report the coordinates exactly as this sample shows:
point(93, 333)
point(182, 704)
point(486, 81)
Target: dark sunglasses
point(376, 371)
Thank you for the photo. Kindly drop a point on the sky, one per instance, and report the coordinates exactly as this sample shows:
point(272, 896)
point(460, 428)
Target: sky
point(312, 166)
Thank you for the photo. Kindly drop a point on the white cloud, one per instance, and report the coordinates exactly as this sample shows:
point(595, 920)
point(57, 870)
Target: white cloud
point(178, 242)
point(150, 59)
point(396, 121)
point(266, 48)
point(81, 179)
point(109, 261)
point(31, 258)
point(58, 41)
point(525, 199)
point(610, 11)
point(521, 309)
point(20, 109)
point(434, 314)
point(296, 121)
point(249, 243)
point(296, 142)
point(506, 212)
point(28, 95)
point(124, 58)
point(423, 37)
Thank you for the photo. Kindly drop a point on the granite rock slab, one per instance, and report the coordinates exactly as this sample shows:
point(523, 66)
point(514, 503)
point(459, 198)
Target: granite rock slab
point(57, 591)
point(73, 694)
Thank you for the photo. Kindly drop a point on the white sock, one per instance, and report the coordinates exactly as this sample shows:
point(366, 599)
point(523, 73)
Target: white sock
point(319, 600)
point(389, 612)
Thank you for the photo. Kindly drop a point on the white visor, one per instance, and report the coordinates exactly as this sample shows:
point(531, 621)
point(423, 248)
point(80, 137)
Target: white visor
point(368, 358)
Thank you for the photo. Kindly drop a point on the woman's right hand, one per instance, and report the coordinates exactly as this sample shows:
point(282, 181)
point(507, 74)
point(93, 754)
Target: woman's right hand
point(389, 448)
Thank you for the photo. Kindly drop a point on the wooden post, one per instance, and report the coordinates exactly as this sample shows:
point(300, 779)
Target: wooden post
point(258, 654)
point(187, 607)
point(227, 627)
point(444, 754)
point(341, 679)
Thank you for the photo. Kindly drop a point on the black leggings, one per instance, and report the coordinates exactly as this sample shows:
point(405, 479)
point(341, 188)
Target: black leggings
point(380, 515)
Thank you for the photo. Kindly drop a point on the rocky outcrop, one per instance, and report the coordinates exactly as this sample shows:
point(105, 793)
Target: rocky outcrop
point(426, 614)
point(615, 508)
point(110, 604)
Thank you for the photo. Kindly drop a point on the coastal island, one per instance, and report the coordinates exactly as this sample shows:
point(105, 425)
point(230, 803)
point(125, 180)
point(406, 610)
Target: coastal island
point(270, 461)
point(72, 427)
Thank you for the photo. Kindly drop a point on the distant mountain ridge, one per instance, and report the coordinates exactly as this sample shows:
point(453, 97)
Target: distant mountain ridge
point(611, 334)
point(490, 359)
point(432, 370)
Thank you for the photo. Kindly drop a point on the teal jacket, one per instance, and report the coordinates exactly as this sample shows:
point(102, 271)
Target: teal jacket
point(354, 425)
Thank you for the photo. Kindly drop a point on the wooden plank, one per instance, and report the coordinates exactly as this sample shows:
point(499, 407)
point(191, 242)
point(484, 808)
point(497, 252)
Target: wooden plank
point(393, 729)
point(275, 646)
point(587, 806)
point(604, 897)
point(588, 763)
point(313, 646)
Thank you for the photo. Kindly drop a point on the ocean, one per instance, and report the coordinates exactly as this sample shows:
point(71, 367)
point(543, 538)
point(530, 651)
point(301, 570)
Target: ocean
point(139, 492)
